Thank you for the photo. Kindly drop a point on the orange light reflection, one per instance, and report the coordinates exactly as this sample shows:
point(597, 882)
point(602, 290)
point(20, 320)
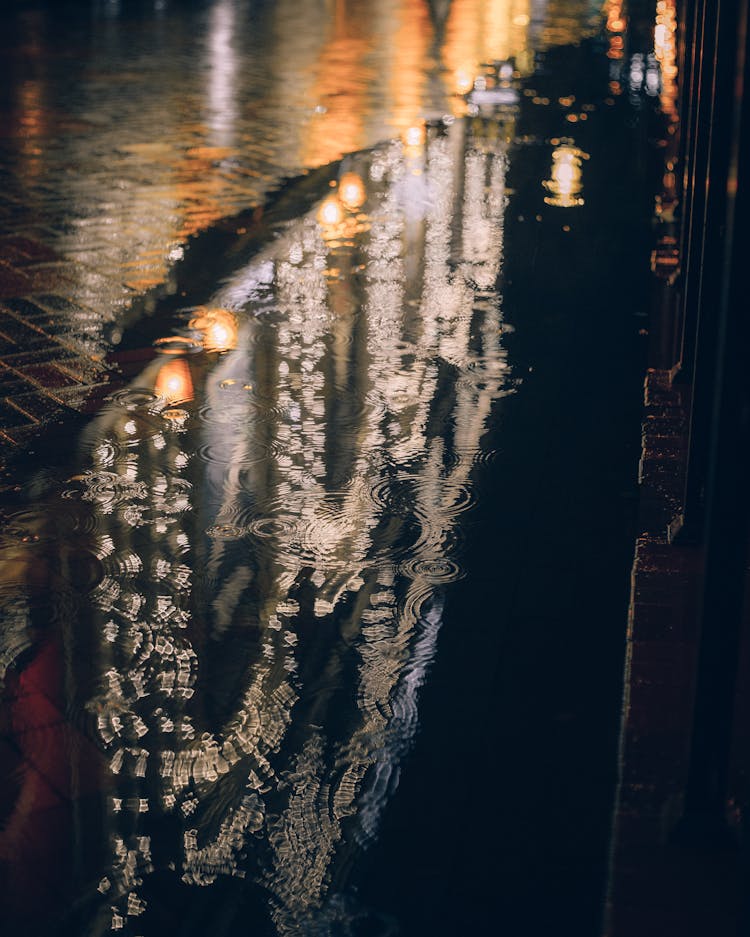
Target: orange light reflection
point(665, 49)
point(485, 31)
point(340, 87)
point(565, 185)
point(616, 26)
point(174, 383)
point(218, 328)
point(351, 191)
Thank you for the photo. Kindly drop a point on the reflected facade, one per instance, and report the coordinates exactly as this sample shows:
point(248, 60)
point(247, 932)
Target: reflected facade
point(126, 173)
point(277, 524)
point(271, 514)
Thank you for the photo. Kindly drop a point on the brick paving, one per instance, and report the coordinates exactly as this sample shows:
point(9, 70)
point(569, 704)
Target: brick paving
point(118, 142)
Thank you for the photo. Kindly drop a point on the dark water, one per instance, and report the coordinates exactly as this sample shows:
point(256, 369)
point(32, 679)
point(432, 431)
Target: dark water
point(320, 629)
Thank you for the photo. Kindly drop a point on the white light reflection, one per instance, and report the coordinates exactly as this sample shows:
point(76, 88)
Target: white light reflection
point(222, 74)
point(321, 467)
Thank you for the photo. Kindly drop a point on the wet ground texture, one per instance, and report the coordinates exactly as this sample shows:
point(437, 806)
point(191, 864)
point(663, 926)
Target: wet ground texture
point(320, 370)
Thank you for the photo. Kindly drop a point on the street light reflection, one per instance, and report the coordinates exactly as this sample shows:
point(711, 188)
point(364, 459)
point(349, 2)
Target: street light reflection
point(218, 328)
point(222, 63)
point(665, 50)
point(352, 191)
point(616, 26)
point(174, 383)
point(464, 81)
point(414, 136)
point(330, 213)
point(565, 184)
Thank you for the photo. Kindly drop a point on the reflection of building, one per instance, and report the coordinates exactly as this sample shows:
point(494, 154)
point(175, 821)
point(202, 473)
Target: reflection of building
point(285, 517)
point(480, 32)
point(135, 158)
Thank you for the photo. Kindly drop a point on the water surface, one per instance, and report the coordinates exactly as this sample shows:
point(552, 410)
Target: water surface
point(223, 611)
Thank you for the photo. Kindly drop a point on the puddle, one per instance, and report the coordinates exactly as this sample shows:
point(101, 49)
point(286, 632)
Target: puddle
point(286, 504)
point(244, 574)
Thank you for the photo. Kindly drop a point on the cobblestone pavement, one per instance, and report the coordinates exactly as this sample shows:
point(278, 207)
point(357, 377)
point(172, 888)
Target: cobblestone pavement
point(121, 139)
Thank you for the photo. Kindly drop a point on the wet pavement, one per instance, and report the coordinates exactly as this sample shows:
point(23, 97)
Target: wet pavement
point(126, 129)
point(320, 375)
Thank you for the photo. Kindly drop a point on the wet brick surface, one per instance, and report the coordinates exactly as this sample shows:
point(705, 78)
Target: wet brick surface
point(112, 153)
point(658, 887)
point(125, 131)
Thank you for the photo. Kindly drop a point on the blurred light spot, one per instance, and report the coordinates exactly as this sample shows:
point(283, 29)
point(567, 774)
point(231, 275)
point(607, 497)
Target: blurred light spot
point(464, 81)
point(218, 329)
point(352, 191)
point(414, 136)
point(330, 212)
point(174, 383)
point(565, 184)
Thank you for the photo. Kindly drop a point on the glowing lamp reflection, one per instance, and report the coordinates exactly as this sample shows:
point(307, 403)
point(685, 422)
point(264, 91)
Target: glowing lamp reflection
point(565, 184)
point(464, 81)
point(218, 329)
point(351, 191)
point(174, 383)
point(665, 50)
point(414, 136)
point(330, 212)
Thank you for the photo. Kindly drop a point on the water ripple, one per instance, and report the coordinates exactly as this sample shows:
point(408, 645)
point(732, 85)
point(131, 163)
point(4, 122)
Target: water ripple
point(135, 398)
point(226, 532)
point(282, 528)
point(440, 570)
point(232, 453)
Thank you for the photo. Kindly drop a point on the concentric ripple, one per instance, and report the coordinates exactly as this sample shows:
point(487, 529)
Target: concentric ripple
point(405, 495)
point(226, 532)
point(439, 570)
point(232, 453)
point(135, 398)
point(273, 527)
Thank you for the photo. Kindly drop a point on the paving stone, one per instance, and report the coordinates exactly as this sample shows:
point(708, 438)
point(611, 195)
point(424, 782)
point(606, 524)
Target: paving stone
point(56, 303)
point(11, 417)
point(47, 375)
point(12, 281)
point(12, 383)
point(50, 277)
point(32, 251)
point(88, 398)
point(11, 256)
point(25, 436)
point(25, 309)
point(41, 355)
point(6, 346)
point(82, 369)
point(38, 407)
point(21, 334)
